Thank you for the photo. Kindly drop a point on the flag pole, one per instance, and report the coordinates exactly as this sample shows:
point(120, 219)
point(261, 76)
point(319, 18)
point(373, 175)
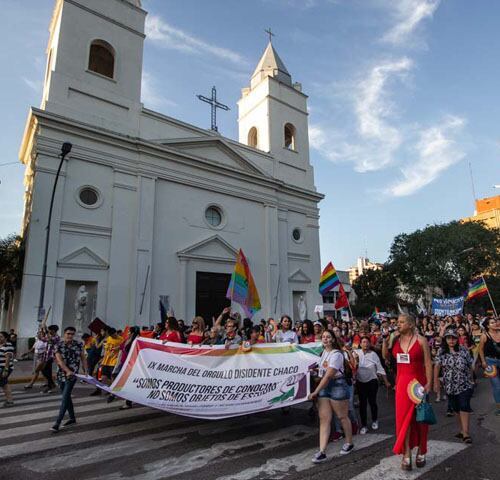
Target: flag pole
point(489, 295)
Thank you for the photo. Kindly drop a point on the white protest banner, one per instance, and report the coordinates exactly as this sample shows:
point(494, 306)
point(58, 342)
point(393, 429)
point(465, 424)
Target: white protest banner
point(213, 382)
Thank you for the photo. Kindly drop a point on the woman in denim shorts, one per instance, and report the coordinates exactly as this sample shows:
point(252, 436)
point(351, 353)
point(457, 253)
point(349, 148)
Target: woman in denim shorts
point(333, 396)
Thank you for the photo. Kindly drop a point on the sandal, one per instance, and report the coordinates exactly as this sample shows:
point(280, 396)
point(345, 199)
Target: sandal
point(460, 436)
point(467, 439)
point(125, 407)
point(406, 464)
point(420, 461)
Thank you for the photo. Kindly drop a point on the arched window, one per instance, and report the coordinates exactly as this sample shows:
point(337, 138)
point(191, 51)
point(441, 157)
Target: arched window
point(102, 58)
point(289, 133)
point(252, 137)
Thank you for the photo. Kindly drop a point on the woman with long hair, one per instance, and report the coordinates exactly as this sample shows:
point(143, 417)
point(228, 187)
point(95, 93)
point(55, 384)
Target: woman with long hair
point(489, 352)
point(333, 396)
point(455, 362)
point(197, 333)
point(307, 334)
point(413, 360)
point(172, 332)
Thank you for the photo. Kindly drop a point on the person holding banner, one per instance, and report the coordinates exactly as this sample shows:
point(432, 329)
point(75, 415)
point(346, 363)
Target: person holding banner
point(413, 359)
point(333, 396)
point(489, 352)
point(286, 334)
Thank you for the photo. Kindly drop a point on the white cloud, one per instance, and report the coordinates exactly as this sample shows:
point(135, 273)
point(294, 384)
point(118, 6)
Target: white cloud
point(408, 14)
point(150, 95)
point(375, 140)
point(167, 36)
point(35, 85)
point(436, 150)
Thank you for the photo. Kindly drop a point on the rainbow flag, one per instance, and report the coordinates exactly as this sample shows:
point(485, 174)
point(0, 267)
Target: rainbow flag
point(242, 288)
point(328, 280)
point(477, 288)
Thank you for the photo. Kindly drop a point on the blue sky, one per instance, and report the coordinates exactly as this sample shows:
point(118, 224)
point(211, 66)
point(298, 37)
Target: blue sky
point(403, 94)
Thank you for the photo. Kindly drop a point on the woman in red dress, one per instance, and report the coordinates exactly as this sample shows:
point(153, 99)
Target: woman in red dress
point(413, 358)
point(172, 333)
point(197, 333)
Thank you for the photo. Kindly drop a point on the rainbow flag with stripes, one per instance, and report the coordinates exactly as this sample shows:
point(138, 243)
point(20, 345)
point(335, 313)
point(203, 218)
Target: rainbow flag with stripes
point(329, 279)
point(242, 288)
point(477, 288)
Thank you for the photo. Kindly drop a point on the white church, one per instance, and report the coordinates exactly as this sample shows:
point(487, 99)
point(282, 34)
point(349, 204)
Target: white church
point(148, 206)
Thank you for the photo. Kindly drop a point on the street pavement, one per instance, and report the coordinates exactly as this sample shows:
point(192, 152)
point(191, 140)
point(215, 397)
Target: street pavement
point(144, 444)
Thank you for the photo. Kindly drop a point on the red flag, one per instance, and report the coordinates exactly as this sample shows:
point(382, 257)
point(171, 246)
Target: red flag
point(342, 301)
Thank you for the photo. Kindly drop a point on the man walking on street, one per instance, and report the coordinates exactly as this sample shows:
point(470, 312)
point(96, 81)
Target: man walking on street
point(6, 365)
point(52, 340)
point(68, 354)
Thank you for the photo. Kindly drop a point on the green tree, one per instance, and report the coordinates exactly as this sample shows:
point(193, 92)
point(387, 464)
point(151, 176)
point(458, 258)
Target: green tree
point(11, 264)
point(375, 288)
point(445, 256)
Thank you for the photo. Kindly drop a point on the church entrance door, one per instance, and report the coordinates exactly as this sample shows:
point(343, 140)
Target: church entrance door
point(211, 291)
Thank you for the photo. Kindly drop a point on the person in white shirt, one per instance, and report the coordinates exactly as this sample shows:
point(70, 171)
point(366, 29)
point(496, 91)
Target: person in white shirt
point(368, 371)
point(333, 396)
point(286, 334)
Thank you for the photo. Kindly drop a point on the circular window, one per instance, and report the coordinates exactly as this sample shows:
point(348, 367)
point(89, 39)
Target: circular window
point(213, 216)
point(88, 196)
point(297, 234)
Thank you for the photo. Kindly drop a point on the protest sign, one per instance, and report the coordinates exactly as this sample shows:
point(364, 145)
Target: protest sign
point(213, 382)
point(447, 306)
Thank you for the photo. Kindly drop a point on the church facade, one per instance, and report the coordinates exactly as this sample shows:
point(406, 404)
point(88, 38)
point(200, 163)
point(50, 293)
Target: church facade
point(148, 207)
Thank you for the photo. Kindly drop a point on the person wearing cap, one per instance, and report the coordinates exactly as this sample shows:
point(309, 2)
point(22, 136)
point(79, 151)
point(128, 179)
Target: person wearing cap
point(456, 366)
point(318, 330)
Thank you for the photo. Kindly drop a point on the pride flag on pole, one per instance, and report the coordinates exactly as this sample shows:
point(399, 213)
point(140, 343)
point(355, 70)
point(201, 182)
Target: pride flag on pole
point(328, 280)
point(242, 287)
point(477, 288)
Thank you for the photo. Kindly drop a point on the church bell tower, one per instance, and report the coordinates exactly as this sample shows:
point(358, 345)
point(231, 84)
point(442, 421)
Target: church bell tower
point(94, 62)
point(273, 112)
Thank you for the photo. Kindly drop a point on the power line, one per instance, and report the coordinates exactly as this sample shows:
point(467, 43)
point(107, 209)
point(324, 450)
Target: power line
point(9, 163)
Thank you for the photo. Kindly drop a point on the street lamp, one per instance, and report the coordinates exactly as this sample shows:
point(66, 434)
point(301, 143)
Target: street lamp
point(65, 149)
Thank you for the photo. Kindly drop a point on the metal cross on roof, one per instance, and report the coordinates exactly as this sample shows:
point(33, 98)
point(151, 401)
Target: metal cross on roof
point(271, 34)
point(214, 104)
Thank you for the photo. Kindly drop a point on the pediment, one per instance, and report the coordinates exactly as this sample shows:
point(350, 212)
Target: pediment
point(214, 248)
point(214, 149)
point(83, 258)
point(299, 276)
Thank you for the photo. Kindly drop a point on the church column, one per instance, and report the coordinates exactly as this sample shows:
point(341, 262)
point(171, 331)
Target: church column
point(284, 302)
point(272, 261)
point(144, 249)
point(181, 308)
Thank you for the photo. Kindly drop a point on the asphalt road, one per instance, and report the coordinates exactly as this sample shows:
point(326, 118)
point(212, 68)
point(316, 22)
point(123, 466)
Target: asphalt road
point(143, 444)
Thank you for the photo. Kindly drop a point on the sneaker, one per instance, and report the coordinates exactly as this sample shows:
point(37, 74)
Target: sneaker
point(96, 392)
point(27, 387)
point(54, 428)
point(336, 436)
point(346, 449)
point(449, 414)
point(8, 404)
point(363, 431)
point(47, 390)
point(319, 457)
point(375, 425)
point(110, 399)
point(68, 423)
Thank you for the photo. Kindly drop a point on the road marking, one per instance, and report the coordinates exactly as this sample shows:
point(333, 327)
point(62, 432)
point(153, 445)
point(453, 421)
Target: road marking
point(389, 468)
point(96, 407)
point(104, 452)
point(61, 440)
point(44, 427)
point(32, 403)
point(196, 459)
point(277, 468)
point(111, 450)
